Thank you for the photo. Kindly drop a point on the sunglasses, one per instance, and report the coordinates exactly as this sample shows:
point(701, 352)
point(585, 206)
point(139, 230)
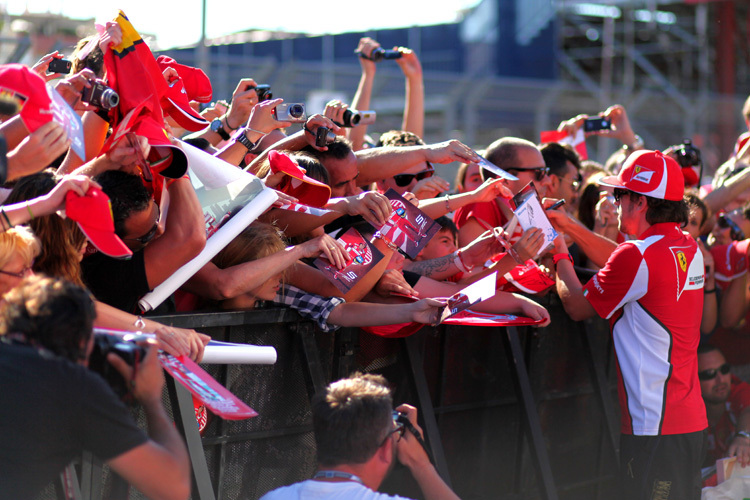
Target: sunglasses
point(403, 180)
point(20, 274)
point(736, 232)
point(711, 373)
point(619, 193)
point(399, 429)
point(151, 234)
point(539, 172)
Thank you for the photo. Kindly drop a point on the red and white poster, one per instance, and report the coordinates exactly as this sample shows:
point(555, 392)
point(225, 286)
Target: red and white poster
point(408, 227)
point(361, 257)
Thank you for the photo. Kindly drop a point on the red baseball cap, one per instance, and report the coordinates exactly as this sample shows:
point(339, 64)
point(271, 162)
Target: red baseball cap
point(176, 104)
point(196, 82)
point(649, 173)
point(307, 190)
point(29, 90)
point(93, 213)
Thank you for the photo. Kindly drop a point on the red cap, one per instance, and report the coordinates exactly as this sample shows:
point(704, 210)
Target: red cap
point(172, 165)
point(196, 82)
point(307, 190)
point(30, 91)
point(649, 173)
point(177, 105)
point(93, 213)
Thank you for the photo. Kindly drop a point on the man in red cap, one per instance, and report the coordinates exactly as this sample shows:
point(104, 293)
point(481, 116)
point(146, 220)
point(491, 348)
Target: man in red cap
point(651, 290)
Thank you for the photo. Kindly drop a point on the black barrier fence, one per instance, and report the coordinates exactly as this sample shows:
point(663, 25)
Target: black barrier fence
point(509, 413)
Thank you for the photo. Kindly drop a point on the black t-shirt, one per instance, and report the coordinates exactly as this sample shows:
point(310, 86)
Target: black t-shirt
point(52, 411)
point(117, 282)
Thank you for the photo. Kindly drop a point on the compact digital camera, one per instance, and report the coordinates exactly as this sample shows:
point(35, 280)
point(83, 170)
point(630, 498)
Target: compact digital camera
point(100, 95)
point(596, 123)
point(352, 118)
point(58, 65)
point(290, 112)
point(324, 136)
point(264, 92)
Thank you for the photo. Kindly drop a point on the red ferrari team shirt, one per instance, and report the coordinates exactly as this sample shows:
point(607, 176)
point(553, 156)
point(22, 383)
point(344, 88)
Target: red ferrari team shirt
point(651, 290)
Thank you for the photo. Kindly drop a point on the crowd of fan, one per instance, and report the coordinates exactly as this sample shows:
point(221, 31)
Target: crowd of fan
point(158, 217)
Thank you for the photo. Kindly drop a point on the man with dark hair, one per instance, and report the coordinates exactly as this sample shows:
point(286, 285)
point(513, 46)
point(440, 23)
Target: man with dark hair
point(564, 176)
point(55, 408)
point(727, 401)
point(158, 249)
point(358, 441)
point(651, 290)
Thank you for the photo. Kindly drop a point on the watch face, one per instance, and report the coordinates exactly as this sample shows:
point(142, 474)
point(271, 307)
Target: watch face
point(216, 125)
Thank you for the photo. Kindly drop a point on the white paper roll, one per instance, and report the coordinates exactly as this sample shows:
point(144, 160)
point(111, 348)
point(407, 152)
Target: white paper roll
point(238, 354)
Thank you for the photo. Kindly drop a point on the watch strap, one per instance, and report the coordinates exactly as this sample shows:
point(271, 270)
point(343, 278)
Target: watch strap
point(241, 137)
point(219, 129)
point(561, 256)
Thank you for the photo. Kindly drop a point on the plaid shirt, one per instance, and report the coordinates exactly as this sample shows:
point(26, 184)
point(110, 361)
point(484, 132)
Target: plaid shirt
point(309, 305)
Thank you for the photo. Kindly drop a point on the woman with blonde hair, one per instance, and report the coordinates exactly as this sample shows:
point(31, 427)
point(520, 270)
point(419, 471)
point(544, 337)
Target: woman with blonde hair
point(18, 249)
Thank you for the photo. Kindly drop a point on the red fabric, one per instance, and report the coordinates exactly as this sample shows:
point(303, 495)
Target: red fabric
point(730, 261)
point(29, 91)
point(651, 290)
point(394, 331)
point(93, 213)
point(487, 212)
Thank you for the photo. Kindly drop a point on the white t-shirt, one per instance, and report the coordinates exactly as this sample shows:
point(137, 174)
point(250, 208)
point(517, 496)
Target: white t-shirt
point(343, 490)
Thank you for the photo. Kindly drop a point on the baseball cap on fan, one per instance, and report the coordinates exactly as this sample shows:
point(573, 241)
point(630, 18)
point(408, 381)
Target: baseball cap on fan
point(93, 213)
point(649, 173)
point(29, 90)
point(306, 189)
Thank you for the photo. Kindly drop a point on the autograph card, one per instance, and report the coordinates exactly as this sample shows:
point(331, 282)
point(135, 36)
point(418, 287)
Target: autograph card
point(472, 294)
point(487, 165)
point(408, 227)
point(531, 214)
point(361, 257)
point(71, 122)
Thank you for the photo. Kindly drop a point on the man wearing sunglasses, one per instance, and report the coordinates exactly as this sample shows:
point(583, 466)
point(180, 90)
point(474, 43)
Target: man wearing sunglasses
point(731, 226)
point(564, 176)
point(158, 249)
point(727, 401)
point(359, 438)
point(651, 290)
point(419, 179)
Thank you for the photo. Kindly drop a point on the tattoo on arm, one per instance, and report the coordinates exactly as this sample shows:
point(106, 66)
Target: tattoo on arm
point(442, 267)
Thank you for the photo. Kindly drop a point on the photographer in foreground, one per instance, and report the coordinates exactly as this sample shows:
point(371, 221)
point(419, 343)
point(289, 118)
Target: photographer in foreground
point(359, 439)
point(56, 408)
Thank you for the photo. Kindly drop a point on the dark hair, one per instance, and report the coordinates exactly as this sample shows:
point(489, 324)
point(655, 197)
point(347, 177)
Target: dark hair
point(663, 210)
point(556, 157)
point(313, 168)
point(703, 348)
point(399, 138)
point(94, 61)
point(351, 419)
point(448, 225)
point(61, 239)
point(198, 142)
point(126, 194)
point(51, 312)
point(339, 149)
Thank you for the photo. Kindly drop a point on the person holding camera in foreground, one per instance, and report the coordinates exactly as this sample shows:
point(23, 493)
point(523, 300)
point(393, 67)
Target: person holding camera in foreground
point(359, 438)
point(45, 343)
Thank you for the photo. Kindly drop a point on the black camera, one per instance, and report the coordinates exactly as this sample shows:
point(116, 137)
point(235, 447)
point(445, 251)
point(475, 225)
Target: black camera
point(264, 92)
point(352, 118)
point(380, 53)
point(100, 95)
point(687, 154)
point(291, 112)
point(596, 123)
point(57, 65)
point(324, 136)
point(125, 347)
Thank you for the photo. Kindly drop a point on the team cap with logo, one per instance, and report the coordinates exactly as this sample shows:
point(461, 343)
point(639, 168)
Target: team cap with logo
point(649, 173)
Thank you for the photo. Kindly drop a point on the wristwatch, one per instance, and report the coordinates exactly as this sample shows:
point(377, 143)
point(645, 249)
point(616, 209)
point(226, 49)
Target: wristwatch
point(744, 434)
point(218, 127)
point(240, 137)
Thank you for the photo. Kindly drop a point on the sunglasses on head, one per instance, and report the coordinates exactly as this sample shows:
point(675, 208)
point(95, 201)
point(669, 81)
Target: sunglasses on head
point(736, 232)
point(711, 373)
point(151, 234)
point(403, 180)
point(539, 172)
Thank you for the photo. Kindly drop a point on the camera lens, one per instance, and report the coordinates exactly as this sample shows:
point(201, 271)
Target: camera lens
point(296, 111)
point(110, 99)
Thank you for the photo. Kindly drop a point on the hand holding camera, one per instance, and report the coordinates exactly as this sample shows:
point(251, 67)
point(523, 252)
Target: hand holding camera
point(315, 136)
point(244, 98)
point(98, 94)
point(136, 361)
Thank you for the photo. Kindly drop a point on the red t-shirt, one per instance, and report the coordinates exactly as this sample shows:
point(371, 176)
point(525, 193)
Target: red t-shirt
point(730, 262)
point(721, 435)
point(651, 290)
point(486, 213)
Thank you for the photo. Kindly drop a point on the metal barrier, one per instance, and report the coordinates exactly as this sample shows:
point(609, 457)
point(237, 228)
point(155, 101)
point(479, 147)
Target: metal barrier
point(508, 413)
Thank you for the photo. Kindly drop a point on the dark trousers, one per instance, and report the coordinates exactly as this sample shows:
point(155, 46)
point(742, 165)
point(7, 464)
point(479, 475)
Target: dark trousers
point(661, 467)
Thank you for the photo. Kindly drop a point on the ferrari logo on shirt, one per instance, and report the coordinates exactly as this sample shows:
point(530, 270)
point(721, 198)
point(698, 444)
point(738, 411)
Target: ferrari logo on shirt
point(642, 174)
point(681, 260)
point(689, 268)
